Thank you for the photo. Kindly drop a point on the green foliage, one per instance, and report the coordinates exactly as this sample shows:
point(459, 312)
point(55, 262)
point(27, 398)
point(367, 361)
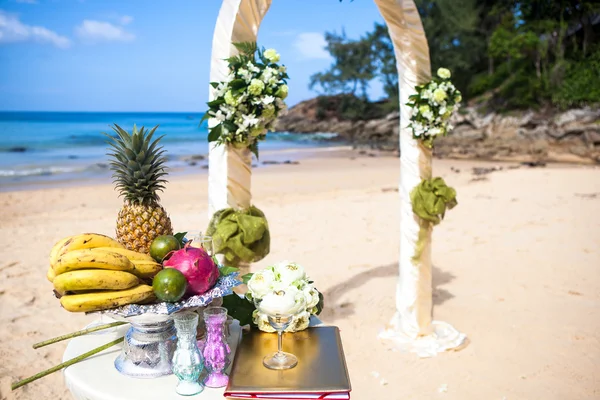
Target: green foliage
point(180, 236)
point(353, 66)
point(509, 54)
point(239, 308)
point(580, 84)
point(350, 107)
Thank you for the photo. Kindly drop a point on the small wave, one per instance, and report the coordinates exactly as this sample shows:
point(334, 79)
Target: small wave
point(39, 171)
point(304, 137)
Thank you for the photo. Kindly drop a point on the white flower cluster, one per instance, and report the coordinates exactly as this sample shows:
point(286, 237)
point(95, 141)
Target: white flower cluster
point(433, 106)
point(290, 278)
point(248, 101)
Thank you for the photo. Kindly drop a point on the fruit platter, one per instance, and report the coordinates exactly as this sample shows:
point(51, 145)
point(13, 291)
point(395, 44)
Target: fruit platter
point(146, 274)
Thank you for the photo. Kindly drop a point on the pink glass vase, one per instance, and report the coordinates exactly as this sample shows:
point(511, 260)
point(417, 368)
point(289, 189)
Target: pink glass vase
point(216, 350)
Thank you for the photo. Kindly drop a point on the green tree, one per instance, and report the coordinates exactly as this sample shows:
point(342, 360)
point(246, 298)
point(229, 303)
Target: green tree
point(352, 69)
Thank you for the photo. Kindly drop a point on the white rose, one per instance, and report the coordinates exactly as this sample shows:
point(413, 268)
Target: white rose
point(311, 295)
point(281, 302)
point(271, 55)
point(289, 272)
point(299, 323)
point(262, 321)
point(260, 283)
point(443, 73)
point(439, 95)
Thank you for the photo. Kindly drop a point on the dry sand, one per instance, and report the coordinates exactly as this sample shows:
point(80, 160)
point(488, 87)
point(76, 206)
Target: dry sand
point(516, 267)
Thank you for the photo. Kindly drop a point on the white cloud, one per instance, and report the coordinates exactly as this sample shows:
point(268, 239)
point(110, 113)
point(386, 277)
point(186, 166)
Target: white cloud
point(311, 45)
point(13, 30)
point(126, 19)
point(99, 31)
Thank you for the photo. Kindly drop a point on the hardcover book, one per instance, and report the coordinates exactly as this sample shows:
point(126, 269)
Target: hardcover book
point(321, 372)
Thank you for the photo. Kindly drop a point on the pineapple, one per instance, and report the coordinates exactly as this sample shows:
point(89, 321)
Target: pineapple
point(138, 171)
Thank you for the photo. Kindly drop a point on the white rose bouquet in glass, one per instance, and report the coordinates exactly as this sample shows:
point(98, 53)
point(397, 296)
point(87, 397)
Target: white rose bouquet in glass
point(248, 101)
point(433, 105)
point(290, 278)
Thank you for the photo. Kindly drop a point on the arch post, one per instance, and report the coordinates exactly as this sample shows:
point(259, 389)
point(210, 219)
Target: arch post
point(230, 169)
point(412, 326)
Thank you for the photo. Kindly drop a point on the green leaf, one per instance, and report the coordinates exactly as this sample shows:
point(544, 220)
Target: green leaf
point(225, 270)
point(320, 304)
point(231, 127)
point(216, 102)
point(246, 278)
point(205, 117)
point(246, 48)
point(180, 236)
point(239, 308)
point(215, 133)
point(237, 84)
point(254, 149)
point(214, 84)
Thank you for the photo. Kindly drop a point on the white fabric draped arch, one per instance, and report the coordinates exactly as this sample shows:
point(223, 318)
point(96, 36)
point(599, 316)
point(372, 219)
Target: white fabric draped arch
point(412, 327)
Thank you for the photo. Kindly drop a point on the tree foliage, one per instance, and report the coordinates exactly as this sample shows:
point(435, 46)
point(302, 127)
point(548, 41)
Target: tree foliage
point(511, 54)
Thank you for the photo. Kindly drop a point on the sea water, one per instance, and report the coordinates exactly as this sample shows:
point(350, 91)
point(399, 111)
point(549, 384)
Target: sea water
point(47, 147)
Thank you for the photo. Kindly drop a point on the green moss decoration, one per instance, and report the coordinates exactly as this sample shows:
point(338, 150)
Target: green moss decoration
point(430, 199)
point(240, 235)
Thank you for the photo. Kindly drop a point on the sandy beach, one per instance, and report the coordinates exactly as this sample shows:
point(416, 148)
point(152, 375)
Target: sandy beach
point(515, 268)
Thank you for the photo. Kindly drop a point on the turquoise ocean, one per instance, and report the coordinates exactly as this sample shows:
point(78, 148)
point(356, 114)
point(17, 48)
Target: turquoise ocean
point(52, 147)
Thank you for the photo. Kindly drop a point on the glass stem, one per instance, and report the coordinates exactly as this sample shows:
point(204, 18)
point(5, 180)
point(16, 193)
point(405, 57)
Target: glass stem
point(279, 341)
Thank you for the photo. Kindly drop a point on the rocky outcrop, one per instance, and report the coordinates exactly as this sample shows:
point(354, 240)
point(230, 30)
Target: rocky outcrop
point(570, 136)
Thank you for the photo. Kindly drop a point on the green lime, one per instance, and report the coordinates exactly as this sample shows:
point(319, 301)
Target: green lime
point(169, 285)
point(163, 245)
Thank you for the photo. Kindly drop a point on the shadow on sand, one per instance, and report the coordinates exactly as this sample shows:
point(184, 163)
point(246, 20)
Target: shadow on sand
point(334, 309)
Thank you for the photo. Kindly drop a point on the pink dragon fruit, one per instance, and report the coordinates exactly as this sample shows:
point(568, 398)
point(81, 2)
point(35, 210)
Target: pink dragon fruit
point(196, 265)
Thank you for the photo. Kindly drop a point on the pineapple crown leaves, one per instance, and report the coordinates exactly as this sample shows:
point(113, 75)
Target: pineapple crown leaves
point(137, 164)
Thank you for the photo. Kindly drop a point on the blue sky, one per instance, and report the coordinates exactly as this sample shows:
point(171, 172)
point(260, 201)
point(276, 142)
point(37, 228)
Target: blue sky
point(150, 55)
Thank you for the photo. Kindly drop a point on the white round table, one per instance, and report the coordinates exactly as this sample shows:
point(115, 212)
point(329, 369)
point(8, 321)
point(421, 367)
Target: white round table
point(96, 377)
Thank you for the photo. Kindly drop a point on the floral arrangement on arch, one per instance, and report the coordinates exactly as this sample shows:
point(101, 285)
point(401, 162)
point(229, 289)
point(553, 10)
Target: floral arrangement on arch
point(433, 105)
point(248, 101)
point(291, 278)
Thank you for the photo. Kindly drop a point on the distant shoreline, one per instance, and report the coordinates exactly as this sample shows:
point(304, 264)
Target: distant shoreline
point(192, 164)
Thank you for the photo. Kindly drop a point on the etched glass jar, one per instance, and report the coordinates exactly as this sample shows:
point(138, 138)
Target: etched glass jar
point(187, 360)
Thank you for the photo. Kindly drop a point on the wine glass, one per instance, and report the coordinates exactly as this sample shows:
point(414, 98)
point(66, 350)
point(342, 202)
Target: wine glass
point(280, 307)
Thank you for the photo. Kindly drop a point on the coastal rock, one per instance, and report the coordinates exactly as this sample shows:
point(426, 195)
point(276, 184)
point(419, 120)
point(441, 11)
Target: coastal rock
point(528, 136)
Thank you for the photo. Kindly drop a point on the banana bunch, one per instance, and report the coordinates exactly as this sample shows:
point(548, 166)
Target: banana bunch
point(92, 272)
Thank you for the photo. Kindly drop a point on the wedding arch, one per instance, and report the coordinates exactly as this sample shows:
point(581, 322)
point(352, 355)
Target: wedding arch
point(230, 169)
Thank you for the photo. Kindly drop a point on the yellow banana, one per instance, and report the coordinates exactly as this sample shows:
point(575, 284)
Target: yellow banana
point(96, 301)
point(89, 258)
point(56, 248)
point(130, 254)
point(94, 279)
point(50, 274)
point(88, 241)
point(146, 269)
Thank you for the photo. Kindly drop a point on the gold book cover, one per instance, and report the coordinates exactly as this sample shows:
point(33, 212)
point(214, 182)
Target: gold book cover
point(321, 372)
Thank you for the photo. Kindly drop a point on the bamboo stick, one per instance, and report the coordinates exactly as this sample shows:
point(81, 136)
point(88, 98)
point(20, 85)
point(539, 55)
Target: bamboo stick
point(75, 334)
point(65, 364)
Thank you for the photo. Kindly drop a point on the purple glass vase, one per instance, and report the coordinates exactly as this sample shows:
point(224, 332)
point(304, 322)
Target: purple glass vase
point(216, 350)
